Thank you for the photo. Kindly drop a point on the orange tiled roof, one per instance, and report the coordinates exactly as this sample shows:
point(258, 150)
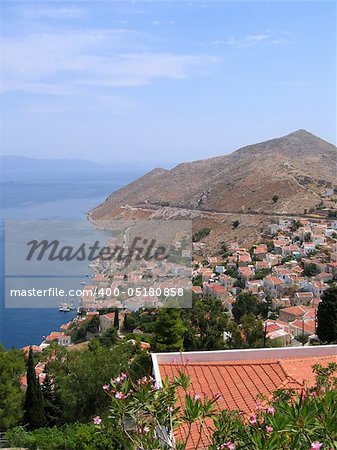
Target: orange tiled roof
point(240, 383)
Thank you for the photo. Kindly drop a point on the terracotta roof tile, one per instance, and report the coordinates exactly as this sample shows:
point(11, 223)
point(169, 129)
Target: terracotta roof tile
point(239, 383)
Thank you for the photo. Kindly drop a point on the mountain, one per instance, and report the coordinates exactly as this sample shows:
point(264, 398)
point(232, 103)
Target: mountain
point(22, 163)
point(294, 169)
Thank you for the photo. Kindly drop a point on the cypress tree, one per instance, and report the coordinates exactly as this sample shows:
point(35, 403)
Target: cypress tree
point(116, 319)
point(327, 316)
point(52, 405)
point(34, 411)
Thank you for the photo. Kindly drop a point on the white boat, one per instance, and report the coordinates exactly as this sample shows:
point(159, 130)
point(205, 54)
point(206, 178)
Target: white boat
point(64, 307)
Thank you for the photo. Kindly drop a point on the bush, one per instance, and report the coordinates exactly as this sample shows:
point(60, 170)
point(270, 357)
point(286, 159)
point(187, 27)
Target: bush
point(200, 234)
point(69, 437)
point(304, 420)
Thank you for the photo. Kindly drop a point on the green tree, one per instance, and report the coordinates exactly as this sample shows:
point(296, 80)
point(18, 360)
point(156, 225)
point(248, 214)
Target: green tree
point(116, 319)
point(246, 303)
point(79, 376)
point(252, 329)
point(51, 402)
point(109, 337)
point(12, 367)
point(327, 316)
point(169, 330)
point(34, 412)
point(205, 324)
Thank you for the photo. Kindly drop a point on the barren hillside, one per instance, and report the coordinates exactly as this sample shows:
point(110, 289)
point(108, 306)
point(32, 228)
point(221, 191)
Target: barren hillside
point(296, 168)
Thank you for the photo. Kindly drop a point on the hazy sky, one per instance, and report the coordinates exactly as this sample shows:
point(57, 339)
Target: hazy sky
point(163, 81)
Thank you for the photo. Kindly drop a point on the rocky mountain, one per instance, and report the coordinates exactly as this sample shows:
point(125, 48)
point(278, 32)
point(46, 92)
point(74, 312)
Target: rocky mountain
point(283, 175)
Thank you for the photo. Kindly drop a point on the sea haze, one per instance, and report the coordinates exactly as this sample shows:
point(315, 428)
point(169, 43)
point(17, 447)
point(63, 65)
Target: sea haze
point(60, 190)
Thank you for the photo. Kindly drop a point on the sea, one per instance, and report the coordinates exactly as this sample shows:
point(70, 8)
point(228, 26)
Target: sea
point(57, 195)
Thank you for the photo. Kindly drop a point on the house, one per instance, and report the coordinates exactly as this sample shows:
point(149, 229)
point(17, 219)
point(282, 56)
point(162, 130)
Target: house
point(262, 265)
point(303, 298)
point(106, 321)
point(226, 281)
point(253, 285)
point(60, 337)
point(273, 285)
point(332, 268)
point(246, 273)
point(277, 331)
point(283, 302)
point(318, 288)
point(296, 312)
point(302, 327)
point(197, 290)
point(228, 302)
point(238, 377)
point(215, 290)
point(244, 259)
point(260, 251)
point(35, 348)
point(324, 277)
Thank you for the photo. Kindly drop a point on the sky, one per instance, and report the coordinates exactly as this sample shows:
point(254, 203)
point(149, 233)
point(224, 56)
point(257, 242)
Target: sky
point(163, 81)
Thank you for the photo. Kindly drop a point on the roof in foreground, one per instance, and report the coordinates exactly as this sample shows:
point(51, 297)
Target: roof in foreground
point(240, 376)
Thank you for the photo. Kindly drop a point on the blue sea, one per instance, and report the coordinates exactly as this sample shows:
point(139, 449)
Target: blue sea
point(60, 195)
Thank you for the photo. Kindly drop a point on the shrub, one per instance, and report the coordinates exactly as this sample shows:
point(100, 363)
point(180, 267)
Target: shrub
point(200, 234)
point(302, 420)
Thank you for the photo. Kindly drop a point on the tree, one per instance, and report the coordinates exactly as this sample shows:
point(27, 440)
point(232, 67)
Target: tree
point(169, 330)
point(246, 303)
point(236, 223)
point(51, 402)
point(205, 323)
point(116, 319)
point(12, 367)
point(109, 337)
point(34, 411)
point(79, 376)
point(253, 330)
point(275, 198)
point(310, 270)
point(327, 316)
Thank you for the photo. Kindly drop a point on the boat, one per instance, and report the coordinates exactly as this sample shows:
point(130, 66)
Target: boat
point(64, 307)
point(72, 305)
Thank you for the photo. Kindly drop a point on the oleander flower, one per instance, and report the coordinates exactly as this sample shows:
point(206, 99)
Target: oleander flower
point(119, 395)
point(271, 410)
point(269, 429)
point(97, 420)
point(228, 445)
point(252, 419)
point(316, 445)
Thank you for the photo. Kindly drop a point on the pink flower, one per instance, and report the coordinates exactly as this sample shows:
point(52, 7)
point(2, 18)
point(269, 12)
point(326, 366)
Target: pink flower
point(252, 419)
point(229, 445)
point(119, 395)
point(97, 420)
point(146, 430)
point(106, 387)
point(316, 445)
point(197, 397)
point(123, 376)
point(271, 410)
point(269, 429)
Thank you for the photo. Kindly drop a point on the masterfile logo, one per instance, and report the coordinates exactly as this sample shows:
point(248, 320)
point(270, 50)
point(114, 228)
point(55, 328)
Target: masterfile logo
point(132, 259)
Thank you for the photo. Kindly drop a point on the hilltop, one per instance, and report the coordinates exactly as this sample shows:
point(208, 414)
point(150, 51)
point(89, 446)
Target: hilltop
point(286, 175)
